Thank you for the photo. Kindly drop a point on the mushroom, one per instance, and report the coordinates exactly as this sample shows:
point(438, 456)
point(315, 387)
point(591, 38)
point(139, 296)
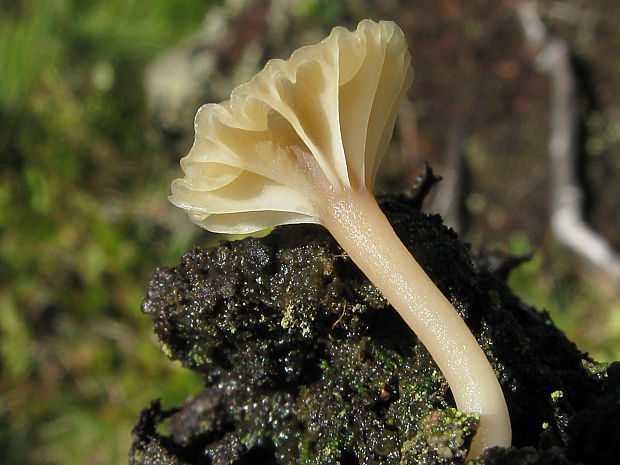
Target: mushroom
point(302, 143)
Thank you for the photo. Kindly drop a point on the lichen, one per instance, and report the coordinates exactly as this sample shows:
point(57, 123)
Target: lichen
point(304, 362)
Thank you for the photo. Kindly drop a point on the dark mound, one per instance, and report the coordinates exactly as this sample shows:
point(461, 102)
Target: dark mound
point(304, 362)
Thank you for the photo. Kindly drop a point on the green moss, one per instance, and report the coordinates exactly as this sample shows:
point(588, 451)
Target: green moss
point(441, 437)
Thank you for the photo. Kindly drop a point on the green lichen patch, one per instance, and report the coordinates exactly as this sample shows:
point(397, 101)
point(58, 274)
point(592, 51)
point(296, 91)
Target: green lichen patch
point(441, 437)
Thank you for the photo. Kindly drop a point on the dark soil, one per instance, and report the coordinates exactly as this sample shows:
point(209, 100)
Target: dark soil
point(303, 360)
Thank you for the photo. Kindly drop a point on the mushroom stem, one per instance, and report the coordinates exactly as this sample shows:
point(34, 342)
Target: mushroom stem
point(360, 227)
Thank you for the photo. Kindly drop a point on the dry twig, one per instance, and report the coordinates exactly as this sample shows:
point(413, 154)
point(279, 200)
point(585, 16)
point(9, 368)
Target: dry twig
point(553, 58)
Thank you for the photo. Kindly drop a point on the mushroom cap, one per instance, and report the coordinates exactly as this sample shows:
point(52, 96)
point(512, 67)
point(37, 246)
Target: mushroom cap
point(320, 120)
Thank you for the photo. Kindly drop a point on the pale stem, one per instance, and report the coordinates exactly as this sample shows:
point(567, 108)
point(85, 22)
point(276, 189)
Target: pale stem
point(360, 227)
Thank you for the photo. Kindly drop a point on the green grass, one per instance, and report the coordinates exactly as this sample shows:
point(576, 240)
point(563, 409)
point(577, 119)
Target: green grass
point(83, 222)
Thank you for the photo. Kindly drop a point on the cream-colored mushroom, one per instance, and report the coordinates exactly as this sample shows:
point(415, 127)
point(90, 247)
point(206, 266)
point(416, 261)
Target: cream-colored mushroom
point(301, 143)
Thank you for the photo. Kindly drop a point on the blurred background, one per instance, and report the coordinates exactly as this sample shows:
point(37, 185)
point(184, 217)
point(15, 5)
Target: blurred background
point(96, 108)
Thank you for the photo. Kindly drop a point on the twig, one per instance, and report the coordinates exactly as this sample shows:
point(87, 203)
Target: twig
point(448, 199)
point(567, 199)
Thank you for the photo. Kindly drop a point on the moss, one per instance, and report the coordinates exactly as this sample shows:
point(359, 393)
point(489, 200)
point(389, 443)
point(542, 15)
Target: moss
point(305, 362)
